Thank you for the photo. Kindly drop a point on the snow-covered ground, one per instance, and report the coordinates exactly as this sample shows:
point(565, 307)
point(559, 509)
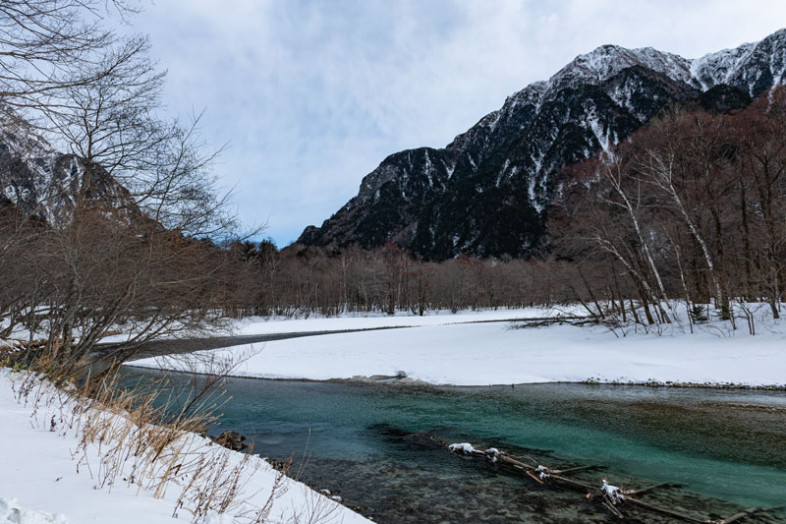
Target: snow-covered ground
point(47, 476)
point(451, 349)
point(258, 325)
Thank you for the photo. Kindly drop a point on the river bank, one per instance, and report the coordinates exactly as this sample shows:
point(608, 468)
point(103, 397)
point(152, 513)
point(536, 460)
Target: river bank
point(54, 469)
point(469, 350)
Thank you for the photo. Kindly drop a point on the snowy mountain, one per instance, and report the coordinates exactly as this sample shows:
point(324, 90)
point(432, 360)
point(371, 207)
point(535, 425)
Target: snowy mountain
point(487, 192)
point(43, 182)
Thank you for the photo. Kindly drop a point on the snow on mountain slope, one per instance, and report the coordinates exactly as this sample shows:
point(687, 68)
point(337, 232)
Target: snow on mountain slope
point(753, 67)
point(610, 60)
point(486, 193)
point(41, 181)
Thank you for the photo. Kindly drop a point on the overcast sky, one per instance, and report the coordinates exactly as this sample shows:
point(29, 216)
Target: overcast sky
point(310, 96)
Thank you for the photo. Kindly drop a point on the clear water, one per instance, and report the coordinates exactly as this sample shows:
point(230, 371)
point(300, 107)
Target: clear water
point(372, 444)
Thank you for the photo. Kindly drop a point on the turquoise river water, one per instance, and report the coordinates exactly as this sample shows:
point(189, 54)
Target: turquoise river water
point(373, 444)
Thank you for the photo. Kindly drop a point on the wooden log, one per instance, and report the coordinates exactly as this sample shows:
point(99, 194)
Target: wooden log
point(579, 468)
point(521, 458)
point(533, 476)
point(740, 515)
point(579, 486)
point(650, 488)
point(513, 462)
point(664, 511)
point(544, 475)
point(612, 509)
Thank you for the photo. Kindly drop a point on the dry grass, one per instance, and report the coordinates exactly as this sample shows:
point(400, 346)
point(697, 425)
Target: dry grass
point(141, 437)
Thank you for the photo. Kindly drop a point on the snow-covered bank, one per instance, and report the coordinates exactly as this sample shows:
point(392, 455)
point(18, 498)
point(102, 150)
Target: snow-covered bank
point(259, 325)
point(48, 476)
point(442, 352)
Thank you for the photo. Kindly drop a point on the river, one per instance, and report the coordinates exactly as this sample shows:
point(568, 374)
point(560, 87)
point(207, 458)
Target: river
point(373, 444)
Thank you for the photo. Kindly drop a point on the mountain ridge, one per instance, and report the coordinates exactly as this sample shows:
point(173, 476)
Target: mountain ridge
point(40, 181)
point(487, 192)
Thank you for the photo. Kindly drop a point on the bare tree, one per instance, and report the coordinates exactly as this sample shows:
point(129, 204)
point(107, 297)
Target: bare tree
point(47, 46)
point(137, 250)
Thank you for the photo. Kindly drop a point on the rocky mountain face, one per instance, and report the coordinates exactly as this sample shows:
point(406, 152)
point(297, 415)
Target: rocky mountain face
point(487, 193)
point(43, 182)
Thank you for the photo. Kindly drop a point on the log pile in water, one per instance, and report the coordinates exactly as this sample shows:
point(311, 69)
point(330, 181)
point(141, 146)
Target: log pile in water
point(612, 498)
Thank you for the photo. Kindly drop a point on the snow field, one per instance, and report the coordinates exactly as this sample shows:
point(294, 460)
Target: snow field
point(49, 473)
point(261, 325)
point(442, 351)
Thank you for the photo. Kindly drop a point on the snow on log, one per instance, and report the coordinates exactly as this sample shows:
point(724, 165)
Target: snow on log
point(465, 448)
point(612, 492)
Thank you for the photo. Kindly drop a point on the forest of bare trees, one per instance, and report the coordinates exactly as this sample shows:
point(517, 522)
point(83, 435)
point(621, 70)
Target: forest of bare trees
point(302, 280)
point(690, 209)
point(111, 242)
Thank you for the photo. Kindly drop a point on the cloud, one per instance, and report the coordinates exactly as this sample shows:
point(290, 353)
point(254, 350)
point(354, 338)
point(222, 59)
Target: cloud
point(312, 95)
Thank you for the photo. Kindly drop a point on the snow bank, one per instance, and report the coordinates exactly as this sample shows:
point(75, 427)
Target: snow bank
point(261, 325)
point(12, 513)
point(439, 352)
point(45, 467)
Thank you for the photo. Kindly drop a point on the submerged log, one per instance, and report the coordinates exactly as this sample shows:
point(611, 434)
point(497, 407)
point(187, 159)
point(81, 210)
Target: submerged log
point(612, 498)
point(743, 514)
point(738, 516)
point(651, 488)
point(664, 511)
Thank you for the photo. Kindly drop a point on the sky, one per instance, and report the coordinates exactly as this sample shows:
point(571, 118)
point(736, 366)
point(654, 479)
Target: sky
point(310, 96)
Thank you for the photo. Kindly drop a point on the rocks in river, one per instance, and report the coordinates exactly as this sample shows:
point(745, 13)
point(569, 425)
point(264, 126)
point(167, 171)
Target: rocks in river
point(231, 439)
point(328, 494)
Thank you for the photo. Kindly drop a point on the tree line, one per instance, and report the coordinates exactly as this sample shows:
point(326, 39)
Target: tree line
point(300, 280)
